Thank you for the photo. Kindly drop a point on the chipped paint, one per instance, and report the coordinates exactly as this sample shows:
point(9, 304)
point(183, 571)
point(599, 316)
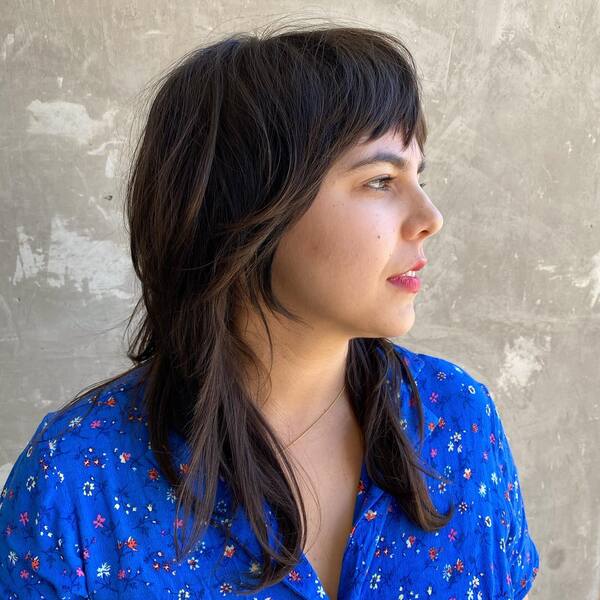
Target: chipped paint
point(100, 267)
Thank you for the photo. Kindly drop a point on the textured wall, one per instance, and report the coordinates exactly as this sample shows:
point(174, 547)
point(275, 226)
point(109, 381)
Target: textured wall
point(512, 290)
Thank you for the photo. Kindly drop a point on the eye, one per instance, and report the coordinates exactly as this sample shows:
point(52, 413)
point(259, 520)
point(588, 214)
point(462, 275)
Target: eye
point(385, 185)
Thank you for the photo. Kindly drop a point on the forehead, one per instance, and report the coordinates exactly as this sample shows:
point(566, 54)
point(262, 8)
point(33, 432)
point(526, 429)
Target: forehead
point(387, 148)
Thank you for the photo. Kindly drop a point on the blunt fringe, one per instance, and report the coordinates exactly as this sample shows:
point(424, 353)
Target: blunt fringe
point(238, 137)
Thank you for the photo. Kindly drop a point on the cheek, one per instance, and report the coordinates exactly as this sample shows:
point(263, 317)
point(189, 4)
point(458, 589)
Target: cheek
point(342, 252)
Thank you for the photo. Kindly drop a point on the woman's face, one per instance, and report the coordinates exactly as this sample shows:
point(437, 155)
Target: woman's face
point(332, 266)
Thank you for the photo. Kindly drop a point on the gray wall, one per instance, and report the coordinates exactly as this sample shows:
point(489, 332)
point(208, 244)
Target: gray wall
point(512, 291)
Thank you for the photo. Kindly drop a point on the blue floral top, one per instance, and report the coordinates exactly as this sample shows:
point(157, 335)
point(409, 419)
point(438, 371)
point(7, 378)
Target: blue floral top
point(86, 513)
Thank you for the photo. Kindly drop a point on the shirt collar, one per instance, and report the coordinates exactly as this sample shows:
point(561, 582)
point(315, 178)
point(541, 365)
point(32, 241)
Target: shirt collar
point(409, 416)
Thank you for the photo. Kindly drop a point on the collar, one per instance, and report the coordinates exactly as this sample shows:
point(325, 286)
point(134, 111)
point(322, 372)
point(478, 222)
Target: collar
point(409, 416)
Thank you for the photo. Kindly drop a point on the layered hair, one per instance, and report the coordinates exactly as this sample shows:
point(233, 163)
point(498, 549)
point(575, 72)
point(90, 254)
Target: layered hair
point(238, 138)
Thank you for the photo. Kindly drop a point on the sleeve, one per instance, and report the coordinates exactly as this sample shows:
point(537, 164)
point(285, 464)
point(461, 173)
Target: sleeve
point(38, 541)
point(521, 552)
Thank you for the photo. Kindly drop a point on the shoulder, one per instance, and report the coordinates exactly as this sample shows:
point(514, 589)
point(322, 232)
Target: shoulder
point(469, 446)
point(75, 441)
point(449, 391)
point(61, 469)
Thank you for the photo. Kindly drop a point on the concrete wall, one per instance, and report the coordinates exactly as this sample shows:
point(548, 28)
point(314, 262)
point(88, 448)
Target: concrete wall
point(512, 291)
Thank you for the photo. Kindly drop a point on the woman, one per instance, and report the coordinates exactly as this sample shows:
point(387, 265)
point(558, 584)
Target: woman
point(271, 441)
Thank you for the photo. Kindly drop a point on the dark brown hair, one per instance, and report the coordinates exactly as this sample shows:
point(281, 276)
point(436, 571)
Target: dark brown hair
point(238, 138)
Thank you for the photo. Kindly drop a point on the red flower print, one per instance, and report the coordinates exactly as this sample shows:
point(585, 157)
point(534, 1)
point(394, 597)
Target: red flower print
point(485, 455)
point(459, 566)
point(121, 574)
point(24, 574)
point(370, 514)
point(35, 563)
point(431, 426)
point(475, 427)
point(95, 424)
point(79, 572)
point(153, 474)
point(294, 576)
point(434, 397)
point(178, 523)
point(112, 401)
point(433, 452)
point(452, 534)
point(433, 553)
point(441, 422)
point(184, 468)
point(411, 540)
point(492, 438)
point(124, 456)
point(229, 551)
point(131, 543)
point(467, 473)
point(24, 518)
point(98, 521)
point(361, 486)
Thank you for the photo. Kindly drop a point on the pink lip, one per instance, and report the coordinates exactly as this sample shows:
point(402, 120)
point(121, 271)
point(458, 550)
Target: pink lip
point(410, 284)
point(416, 267)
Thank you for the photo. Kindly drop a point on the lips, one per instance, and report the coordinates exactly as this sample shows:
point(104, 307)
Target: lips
point(421, 262)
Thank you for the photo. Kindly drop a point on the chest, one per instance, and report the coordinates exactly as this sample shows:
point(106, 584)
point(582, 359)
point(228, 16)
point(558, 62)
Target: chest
point(329, 490)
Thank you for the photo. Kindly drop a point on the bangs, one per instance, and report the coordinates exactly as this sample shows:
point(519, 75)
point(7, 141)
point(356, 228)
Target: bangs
point(363, 82)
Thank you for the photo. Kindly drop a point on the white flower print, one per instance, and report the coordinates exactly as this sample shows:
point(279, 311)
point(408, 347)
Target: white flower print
point(375, 579)
point(12, 557)
point(30, 483)
point(103, 570)
point(482, 489)
point(88, 487)
point(488, 521)
point(75, 422)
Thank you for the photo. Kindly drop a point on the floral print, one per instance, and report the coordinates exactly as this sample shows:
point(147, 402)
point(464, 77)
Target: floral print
point(86, 512)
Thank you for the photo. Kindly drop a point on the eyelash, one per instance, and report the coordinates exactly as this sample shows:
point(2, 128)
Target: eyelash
point(387, 187)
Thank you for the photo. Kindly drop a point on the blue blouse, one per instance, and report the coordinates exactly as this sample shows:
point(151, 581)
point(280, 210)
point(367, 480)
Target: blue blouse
point(86, 513)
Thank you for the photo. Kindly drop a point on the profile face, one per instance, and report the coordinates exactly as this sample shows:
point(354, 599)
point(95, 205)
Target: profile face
point(332, 267)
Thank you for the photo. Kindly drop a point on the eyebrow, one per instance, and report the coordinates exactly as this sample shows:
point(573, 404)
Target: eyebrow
point(389, 157)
